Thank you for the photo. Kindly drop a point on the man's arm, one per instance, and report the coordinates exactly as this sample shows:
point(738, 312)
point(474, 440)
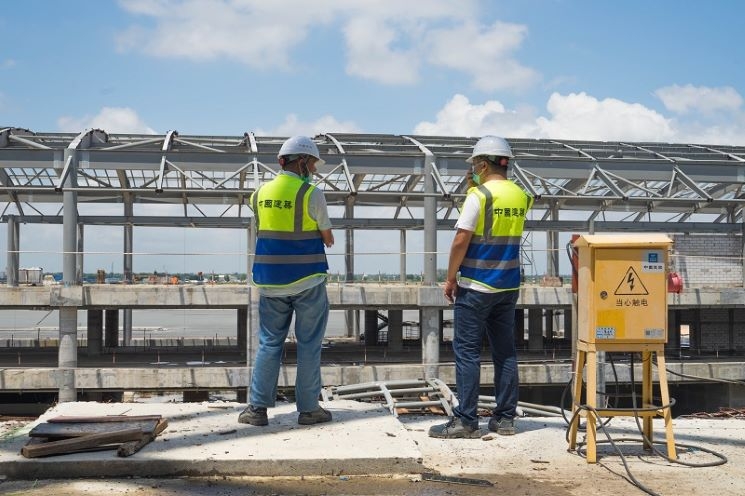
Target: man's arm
point(319, 212)
point(457, 254)
point(328, 237)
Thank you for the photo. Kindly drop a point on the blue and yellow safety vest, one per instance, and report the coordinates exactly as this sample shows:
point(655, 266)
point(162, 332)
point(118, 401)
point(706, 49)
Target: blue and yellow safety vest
point(493, 256)
point(289, 247)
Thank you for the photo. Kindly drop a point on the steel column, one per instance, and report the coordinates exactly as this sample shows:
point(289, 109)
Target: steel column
point(430, 320)
point(127, 269)
point(402, 256)
point(68, 316)
point(13, 251)
point(351, 316)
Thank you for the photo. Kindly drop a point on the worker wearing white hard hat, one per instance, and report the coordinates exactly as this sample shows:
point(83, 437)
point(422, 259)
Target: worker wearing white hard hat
point(491, 146)
point(300, 146)
point(290, 270)
point(483, 282)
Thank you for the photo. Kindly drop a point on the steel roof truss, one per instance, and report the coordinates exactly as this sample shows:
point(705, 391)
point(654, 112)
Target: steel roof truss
point(240, 170)
point(609, 182)
point(176, 139)
point(392, 180)
point(683, 178)
point(96, 179)
point(132, 144)
point(522, 176)
point(325, 178)
point(438, 180)
point(726, 154)
point(609, 176)
point(5, 180)
point(31, 143)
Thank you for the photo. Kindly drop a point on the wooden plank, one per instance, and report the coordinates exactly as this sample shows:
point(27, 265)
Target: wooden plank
point(132, 447)
point(67, 430)
point(70, 445)
point(103, 418)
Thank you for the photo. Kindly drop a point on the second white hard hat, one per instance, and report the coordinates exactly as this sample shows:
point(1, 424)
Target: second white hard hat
point(492, 146)
point(300, 145)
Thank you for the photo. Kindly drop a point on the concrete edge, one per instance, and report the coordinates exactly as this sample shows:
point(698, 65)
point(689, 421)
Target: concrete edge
point(61, 469)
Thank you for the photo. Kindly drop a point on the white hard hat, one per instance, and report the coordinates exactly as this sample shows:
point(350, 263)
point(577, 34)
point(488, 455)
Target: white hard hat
point(493, 146)
point(300, 145)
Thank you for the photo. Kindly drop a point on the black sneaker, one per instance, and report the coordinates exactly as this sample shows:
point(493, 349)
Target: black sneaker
point(254, 415)
point(502, 426)
point(454, 429)
point(317, 416)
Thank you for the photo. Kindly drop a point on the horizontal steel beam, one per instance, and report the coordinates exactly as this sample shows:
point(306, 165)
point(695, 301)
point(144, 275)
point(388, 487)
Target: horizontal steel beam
point(574, 226)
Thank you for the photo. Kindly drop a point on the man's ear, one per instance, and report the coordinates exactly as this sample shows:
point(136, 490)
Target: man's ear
point(504, 161)
point(282, 161)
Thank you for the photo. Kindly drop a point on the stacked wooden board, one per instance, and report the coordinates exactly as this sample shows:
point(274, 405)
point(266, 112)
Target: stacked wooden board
point(62, 435)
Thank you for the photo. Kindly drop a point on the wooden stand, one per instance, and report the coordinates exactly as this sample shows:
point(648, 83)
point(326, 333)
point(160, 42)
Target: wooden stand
point(587, 356)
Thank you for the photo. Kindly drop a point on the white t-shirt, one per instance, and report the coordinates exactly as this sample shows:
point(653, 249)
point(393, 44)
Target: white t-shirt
point(467, 220)
point(469, 214)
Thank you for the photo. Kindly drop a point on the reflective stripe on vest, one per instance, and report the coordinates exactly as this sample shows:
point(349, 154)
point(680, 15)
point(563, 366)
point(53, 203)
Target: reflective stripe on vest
point(493, 255)
point(289, 247)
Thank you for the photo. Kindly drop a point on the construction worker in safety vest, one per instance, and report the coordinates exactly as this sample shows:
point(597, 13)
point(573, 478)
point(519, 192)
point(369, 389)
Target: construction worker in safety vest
point(485, 254)
point(290, 270)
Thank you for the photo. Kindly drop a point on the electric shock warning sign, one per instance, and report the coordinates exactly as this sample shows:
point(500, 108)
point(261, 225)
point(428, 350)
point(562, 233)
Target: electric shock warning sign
point(631, 285)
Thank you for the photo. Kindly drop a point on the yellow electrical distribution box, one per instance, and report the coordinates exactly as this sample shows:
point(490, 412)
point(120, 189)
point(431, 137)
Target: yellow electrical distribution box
point(622, 288)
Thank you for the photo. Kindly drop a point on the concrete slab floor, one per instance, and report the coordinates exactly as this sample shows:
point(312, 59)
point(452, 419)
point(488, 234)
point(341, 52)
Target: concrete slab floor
point(347, 455)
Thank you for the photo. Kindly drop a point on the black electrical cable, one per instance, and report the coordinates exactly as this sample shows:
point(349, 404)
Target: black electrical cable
point(597, 414)
point(705, 379)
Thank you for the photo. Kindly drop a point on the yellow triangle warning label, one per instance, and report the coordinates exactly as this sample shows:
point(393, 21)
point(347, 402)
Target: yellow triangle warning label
point(631, 284)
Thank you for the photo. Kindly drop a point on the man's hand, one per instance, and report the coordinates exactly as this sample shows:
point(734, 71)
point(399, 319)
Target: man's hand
point(328, 238)
point(451, 289)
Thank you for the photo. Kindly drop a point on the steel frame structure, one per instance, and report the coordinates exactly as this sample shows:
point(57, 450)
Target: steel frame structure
point(376, 181)
point(662, 182)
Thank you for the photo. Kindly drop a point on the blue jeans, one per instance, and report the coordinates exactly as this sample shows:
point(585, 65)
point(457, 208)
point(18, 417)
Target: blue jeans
point(476, 313)
point(311, 309)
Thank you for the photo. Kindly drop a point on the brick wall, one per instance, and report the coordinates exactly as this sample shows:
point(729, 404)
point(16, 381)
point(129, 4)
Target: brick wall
point(715, 329)
point(708, 260)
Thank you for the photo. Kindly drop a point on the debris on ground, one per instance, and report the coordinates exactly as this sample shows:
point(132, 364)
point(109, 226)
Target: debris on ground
point(724, 412)
point(62, 435)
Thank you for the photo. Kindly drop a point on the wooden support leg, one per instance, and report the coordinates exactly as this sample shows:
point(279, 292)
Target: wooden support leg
point(666, 413)
point(647, 396)
point(592, 381)
point(579, 364)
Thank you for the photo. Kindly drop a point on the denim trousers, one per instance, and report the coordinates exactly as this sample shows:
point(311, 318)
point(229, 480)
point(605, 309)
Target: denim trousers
point(311, 310)
point(493, 314)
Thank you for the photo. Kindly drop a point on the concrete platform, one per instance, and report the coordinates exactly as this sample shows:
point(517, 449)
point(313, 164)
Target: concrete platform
point(206, 439)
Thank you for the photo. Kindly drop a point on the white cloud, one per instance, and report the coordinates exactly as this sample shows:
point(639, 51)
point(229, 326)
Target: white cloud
point(485, 54)
point(579, 116)
point(110, 119)
point(370, 55)
point(257, 33)
point(461, 118)
point(386, 41)
point(325, 124)
point(8, 63)
point(689, 98)
point(731, 132)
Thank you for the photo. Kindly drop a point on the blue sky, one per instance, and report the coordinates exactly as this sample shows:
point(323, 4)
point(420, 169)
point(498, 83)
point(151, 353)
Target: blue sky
point(564, 69)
